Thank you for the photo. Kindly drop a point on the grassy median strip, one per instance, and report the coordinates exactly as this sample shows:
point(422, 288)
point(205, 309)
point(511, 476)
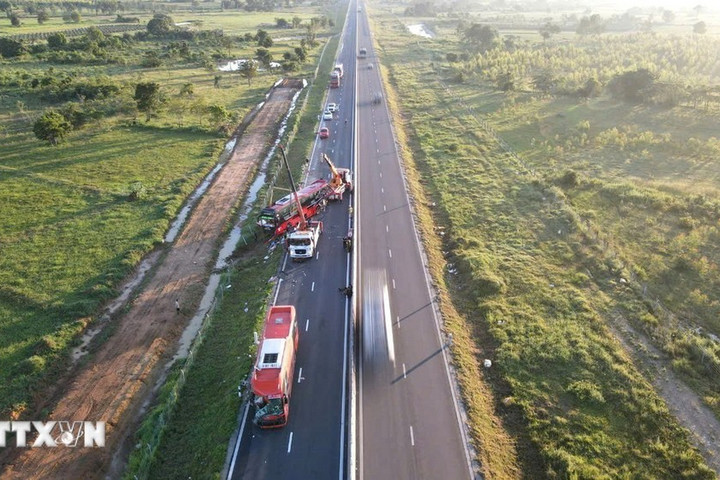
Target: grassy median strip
point(534, 300)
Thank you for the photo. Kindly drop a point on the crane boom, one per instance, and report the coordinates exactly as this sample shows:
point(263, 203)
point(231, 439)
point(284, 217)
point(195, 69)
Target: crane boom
point(336, 180)
point(303, 221)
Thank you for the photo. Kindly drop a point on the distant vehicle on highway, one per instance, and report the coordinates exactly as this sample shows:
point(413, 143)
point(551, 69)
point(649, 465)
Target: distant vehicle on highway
point(332, 107)
point(324, 132)
point(376, 320)
point(370, 66)
point(362, 53)
point(327, 115)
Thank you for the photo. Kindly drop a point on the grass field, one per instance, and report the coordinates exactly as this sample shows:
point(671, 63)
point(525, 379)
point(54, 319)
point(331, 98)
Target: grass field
point(70, 232)
point(542, 251)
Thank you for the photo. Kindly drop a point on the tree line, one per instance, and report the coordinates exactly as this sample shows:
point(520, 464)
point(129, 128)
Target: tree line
point(79, 100)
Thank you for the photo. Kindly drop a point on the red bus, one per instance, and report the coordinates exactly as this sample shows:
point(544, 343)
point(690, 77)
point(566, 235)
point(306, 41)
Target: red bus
point(283, 214)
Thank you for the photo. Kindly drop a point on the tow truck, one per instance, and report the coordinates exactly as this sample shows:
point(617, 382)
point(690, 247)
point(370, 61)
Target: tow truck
point(301, 242)
point(340, 182)
point(272, 377)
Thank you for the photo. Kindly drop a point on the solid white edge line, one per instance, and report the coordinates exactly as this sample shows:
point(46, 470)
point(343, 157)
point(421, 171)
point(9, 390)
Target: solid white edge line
point(290, 442)
point(277, 291)
point(237, 442)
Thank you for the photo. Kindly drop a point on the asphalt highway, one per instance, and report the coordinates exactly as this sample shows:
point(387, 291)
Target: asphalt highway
point(405, 422)
point(314, 443)
point(409, 427)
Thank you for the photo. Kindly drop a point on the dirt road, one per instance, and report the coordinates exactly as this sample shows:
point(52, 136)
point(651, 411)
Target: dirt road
point(116, 380)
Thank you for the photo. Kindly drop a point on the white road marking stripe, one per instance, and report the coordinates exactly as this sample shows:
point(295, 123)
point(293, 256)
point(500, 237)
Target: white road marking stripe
point(387, 229)
point(393, 284)
point(300, 375)
point(404, 372)
point(390, 252)
point(412, 437)
point(312, 287)
point(290, 442)
point(237, 444)
point(277, 291)
point(317, 255)
point(307, 324)
point(384, 208)
point(382, 190)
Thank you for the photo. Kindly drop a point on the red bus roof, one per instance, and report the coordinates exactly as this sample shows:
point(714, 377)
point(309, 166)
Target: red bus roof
point(266, 376)
point(278, 320)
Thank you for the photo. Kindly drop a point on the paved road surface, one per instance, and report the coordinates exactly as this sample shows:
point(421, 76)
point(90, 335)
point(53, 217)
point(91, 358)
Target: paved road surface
point(314, 443)
point(409, 427)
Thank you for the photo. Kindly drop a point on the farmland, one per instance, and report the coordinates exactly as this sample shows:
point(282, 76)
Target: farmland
point(80, 209)
point(558, 219)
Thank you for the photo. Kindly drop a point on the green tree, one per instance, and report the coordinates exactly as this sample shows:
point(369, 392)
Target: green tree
point(248, 70)
point(6, 7)
point(592, 88)
point(282, 23)
point(51, 127)
point(10, 48)
point(548, 30)
point(160, 25)
point(218, 113)
point(700, 28)
point(15, 20)
point(260, 37)
point(506, 81)
point(75, 16)
point(592, 25)
point(43, 16)
point(94, 34)
point(296, 21)
point(481, 36)
point(544, 81)
point(267, 42)
point(57, 41)
point(300, 54)
point(218, 78)
point(148, 98)
point(633, 86)
point(264, 56)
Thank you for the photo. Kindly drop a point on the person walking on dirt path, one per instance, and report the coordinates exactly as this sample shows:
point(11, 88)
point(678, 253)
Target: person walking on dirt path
point(177, 305)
